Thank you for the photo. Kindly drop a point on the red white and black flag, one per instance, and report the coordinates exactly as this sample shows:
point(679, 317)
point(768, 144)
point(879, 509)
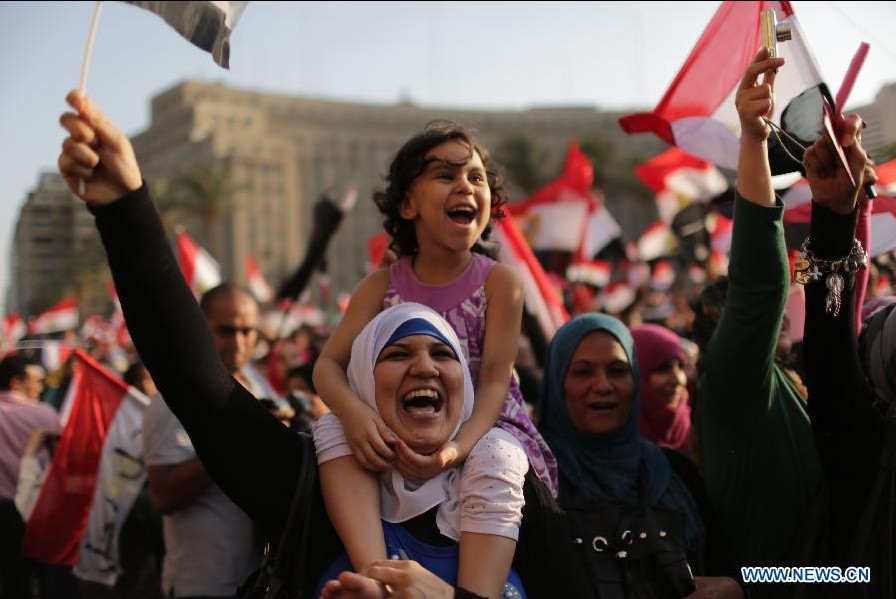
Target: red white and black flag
point(206, 25)
point(697, 113)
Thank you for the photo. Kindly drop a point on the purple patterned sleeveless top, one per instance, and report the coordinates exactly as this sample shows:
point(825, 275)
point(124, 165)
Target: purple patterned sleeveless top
point(462, 303)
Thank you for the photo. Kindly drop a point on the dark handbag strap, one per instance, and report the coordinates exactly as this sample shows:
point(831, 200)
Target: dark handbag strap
point(289, 560)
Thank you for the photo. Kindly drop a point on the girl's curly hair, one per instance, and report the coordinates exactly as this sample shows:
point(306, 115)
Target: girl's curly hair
point(410, 162)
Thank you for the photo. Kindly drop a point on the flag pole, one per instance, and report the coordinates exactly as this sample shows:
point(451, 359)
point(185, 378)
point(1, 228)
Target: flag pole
point(88, 48)
point(85, 68)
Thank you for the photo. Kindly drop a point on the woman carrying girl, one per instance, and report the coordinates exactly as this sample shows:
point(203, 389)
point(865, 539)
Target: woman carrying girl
point(437, 206)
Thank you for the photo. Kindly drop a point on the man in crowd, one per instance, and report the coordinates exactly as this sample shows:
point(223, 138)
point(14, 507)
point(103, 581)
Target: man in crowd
point(211, 546)
point(22, 417)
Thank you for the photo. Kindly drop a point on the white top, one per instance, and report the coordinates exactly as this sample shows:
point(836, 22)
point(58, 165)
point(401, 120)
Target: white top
point(210, 545)
point(484, 495)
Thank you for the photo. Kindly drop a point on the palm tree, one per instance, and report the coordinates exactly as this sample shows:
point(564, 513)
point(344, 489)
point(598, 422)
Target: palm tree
point(205, 191)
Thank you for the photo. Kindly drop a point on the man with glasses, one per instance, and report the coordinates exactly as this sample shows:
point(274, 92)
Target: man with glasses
point(210, 544)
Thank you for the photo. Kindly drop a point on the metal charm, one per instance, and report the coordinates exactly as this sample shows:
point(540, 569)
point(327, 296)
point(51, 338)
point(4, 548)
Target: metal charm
point(835, 287)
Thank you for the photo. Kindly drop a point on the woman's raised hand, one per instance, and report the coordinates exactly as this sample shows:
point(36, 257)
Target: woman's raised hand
point(97, 160)
point(755, 101)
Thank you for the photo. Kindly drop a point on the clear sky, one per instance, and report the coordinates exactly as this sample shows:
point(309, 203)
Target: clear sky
point(615, 55)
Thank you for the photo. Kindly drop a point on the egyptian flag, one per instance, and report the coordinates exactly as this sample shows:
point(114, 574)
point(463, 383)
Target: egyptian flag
point(656, 241)
point(257, 283)
point(886, 178)
point(56, 522)
point(697, 113)
point(62, 316)
point(593, 272)
point(201, 271)
point(678, 179)
point(542, 298)
point(13, 329)
point(615, 298)
point(206, 25)
point(376, 250)
point(662, 276)
point(554, 217)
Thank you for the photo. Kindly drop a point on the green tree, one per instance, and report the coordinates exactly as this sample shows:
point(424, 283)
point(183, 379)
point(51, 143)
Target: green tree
point(614, 169)
point(205, 192)
point(520, 155)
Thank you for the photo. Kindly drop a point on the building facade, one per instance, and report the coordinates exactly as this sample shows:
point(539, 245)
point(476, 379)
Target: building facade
point(53, 234)
point(284, 152)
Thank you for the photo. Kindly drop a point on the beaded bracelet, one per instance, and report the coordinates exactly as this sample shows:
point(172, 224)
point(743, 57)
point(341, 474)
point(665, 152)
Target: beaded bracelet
point(807, 269)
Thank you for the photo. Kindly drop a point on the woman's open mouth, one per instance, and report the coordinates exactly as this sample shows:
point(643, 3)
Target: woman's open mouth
point(422, 401)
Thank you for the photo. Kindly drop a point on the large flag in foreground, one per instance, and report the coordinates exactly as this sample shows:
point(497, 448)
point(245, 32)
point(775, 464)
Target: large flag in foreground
point(120, 478)
point(697, 113)
point(55, 526)
point(206, 25)
point(201, 271)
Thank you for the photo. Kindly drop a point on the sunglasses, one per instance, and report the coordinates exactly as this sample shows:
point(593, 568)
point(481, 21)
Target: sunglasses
point(229, 331)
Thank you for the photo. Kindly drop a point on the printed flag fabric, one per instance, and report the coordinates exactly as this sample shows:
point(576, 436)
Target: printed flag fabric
point(207, 25)
point(678, 179)
point(62, 316)
point(120, 478)
point(201, 271)
point(697, 113)
point(57, 522)
point(542, 298)
point(257, 283)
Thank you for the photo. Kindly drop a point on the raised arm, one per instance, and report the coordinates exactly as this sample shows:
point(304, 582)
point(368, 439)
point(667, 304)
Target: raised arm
point(741, 353)
point(848, 431)
point(248, 453)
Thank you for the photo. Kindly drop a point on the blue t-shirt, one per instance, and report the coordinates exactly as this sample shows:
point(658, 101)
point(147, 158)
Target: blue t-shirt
point(441, 561)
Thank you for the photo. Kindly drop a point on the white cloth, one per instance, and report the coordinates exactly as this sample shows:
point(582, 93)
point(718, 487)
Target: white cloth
point(210, 545)
point(485, 495)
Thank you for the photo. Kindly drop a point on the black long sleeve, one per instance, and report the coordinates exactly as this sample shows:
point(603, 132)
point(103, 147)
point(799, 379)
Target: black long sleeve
point(848, 431)
point(251, 456)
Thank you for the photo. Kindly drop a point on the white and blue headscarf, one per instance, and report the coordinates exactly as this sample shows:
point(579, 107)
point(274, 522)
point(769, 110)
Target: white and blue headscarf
point(401, 499)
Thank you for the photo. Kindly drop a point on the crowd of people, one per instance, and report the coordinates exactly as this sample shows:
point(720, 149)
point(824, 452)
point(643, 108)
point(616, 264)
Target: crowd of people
point(650, 460)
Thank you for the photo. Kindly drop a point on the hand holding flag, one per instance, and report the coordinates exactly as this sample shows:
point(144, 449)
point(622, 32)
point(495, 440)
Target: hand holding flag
point(97, 153)
point(832, 186)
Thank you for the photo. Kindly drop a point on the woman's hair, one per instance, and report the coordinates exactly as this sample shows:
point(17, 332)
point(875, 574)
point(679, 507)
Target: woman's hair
point(410, 162)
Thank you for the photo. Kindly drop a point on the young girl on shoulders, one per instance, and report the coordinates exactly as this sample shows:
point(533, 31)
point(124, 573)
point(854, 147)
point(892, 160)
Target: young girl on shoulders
point(441, 194)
